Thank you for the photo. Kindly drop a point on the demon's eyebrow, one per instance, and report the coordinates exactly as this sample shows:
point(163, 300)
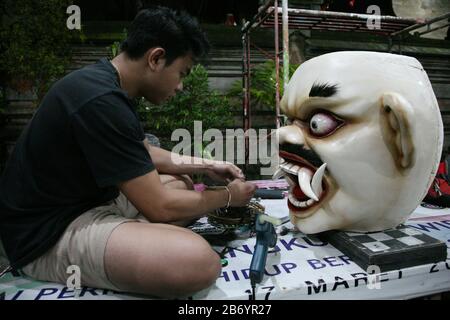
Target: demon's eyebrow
point(324, 90)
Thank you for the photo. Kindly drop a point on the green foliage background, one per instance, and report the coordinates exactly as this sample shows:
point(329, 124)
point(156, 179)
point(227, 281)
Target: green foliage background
point(197, 102)
point(263, 85)
point(35, 42)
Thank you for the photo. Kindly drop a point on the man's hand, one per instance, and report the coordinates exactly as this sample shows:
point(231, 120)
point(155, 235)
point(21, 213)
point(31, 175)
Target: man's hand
point(241, 192)
point(224, 172)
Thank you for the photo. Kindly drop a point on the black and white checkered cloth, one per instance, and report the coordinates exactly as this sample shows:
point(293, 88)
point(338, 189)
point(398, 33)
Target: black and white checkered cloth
point(403, 237)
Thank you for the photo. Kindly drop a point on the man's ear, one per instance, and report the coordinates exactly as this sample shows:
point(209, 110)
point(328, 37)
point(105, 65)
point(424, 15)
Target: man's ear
point(398, 118)
point(156, 58)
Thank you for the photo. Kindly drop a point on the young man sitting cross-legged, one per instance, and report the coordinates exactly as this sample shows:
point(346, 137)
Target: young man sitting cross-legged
point(83, 187)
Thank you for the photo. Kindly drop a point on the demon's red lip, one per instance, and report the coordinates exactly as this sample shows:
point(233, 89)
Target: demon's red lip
point(295, 159)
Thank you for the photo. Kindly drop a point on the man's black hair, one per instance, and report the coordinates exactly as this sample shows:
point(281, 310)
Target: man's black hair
point(177, 33)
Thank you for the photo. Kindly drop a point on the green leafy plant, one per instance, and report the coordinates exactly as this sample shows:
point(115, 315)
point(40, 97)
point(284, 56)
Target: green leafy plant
point(35, 43)
point(263, 85)
point(115, 47)
point(197, 102)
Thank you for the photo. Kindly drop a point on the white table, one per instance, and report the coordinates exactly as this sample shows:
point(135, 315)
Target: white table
point(300, 267)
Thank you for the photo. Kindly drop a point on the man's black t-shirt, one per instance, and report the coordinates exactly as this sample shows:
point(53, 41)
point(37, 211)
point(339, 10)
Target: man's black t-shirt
point(83, 140)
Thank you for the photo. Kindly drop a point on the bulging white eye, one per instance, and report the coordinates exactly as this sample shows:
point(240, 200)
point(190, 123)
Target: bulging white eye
point(322, 124)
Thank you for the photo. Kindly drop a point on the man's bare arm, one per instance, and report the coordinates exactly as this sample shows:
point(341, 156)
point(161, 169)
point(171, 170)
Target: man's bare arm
point(160, 204)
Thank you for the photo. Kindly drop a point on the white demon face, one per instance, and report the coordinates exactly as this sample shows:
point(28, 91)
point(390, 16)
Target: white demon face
point(363, 143)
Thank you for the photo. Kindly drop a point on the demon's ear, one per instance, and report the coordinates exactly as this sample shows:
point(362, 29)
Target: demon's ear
point(398, 117)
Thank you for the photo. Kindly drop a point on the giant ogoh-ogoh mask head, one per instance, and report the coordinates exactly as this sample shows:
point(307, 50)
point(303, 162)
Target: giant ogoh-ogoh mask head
point(363, 143)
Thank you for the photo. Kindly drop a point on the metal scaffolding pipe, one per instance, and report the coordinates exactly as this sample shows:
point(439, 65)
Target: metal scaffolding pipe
point(433, 29)
point(262, 11)
point(420, 25)
point(246, 90)
point(285, 53)
point(360, 16)
point(285, 44)
point(277, 69)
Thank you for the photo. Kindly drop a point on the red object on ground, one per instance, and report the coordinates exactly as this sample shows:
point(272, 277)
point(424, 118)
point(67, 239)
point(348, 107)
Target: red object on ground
point(440, 184)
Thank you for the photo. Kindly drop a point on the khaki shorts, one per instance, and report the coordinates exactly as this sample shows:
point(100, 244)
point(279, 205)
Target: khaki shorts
point(83, 244)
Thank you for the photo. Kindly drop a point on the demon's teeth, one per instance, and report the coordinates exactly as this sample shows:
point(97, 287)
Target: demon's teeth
point(278, 174)
point(295, 202)
point(300, 204)
point(288, 168)
point(309, 183)
point(290, 181)
point(304, 180)
point(316, 183)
